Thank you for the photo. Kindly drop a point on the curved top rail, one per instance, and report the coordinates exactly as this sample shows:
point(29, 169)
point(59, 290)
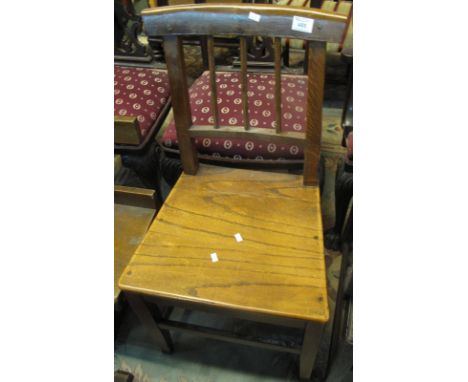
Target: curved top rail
point(233, 19)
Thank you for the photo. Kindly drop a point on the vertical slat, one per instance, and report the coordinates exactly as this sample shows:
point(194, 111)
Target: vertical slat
point(278, 83)
point(214, 91)
point(180, 102)
point(244, 82)
point(306, 58)
point(204, 51)
point(315, 84)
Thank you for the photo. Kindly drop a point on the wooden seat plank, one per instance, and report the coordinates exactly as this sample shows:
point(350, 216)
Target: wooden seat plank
point(279, 266)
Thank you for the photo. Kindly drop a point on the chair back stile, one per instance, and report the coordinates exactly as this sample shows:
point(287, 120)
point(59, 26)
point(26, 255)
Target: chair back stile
point(172, 23)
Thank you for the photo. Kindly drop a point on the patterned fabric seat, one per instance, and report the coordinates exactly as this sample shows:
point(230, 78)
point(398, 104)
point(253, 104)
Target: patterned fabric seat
point(140, 92)
point(261, 115)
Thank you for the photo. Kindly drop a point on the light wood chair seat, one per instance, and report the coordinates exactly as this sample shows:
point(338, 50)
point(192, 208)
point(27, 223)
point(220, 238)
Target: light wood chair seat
point(277, 269)
point(276, 274)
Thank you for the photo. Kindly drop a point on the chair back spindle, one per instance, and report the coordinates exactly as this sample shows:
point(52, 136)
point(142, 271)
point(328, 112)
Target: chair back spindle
point(244, 82)
point(207, 20)
point(278, 83)
point(214, 91)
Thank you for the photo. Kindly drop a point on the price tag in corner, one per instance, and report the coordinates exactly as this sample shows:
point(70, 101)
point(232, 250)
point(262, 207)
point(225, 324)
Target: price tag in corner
point(254, 16)
point(302, 24)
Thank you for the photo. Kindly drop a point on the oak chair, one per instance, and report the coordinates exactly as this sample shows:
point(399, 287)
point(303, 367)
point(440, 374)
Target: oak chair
point(274, 273)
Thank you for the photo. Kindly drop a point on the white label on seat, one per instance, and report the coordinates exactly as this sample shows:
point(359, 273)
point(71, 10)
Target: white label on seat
point(302, 24)
point(214, 257)
point(238, 237)
point(254, 16)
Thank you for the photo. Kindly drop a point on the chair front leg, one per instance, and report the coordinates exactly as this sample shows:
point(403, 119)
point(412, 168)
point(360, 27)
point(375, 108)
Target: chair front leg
point(310, 346)
point(160, 336)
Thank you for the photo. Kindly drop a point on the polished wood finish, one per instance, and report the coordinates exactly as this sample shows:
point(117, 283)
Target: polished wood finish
point(278, 83)
point(180, 100)
point(277, 273)
point(244, 82)
point(316, 63)
point(214, 91)
point(123, 376)
point(268, 135)
point(134, 210)
point(135, 196)
point(138, 149)
point(278, 269)
point(164, 302)
point(315, 86)
point(214, 19)
point(126, 130)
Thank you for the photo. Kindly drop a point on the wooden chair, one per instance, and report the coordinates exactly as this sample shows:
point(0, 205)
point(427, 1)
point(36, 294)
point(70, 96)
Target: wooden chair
point(192, 256)
point(141, 96)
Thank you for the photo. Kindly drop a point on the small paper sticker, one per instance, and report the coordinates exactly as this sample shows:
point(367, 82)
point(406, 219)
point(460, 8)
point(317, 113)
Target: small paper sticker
point(214, 257)
point(302, 24)
point(238, 237)
point(254, 16)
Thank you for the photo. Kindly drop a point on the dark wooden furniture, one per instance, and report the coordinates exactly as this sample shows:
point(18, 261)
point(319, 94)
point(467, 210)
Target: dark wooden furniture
point(190, 256)
point(127, 28)
point(344, 178)
point(141, 96)
point(140, 106)
point(123, 376)
point(342, 318)
point(134, 210)
point(259, 49)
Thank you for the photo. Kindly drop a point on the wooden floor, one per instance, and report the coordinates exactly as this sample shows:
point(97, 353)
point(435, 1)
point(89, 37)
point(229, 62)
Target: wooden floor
point(279, 266)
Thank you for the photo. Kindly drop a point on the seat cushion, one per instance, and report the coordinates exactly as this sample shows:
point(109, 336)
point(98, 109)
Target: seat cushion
point(140, 92)
point(261, 114)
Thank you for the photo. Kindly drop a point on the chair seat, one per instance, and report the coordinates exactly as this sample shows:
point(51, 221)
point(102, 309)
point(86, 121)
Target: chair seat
point(140, 92)
point(279, 266)
point(261, 114)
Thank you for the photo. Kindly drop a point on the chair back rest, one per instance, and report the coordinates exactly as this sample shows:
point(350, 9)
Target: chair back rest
point(315, 26)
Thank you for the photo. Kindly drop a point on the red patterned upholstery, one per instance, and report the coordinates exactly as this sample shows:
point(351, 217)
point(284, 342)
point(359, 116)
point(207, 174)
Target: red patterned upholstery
point(140, 92)
point(261, 114)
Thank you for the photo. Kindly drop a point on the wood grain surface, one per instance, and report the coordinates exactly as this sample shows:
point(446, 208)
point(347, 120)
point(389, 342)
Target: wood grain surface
point(315, 87)
point(277, 269)
point(130, 226)
point(232, 19)
point(126, 130)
